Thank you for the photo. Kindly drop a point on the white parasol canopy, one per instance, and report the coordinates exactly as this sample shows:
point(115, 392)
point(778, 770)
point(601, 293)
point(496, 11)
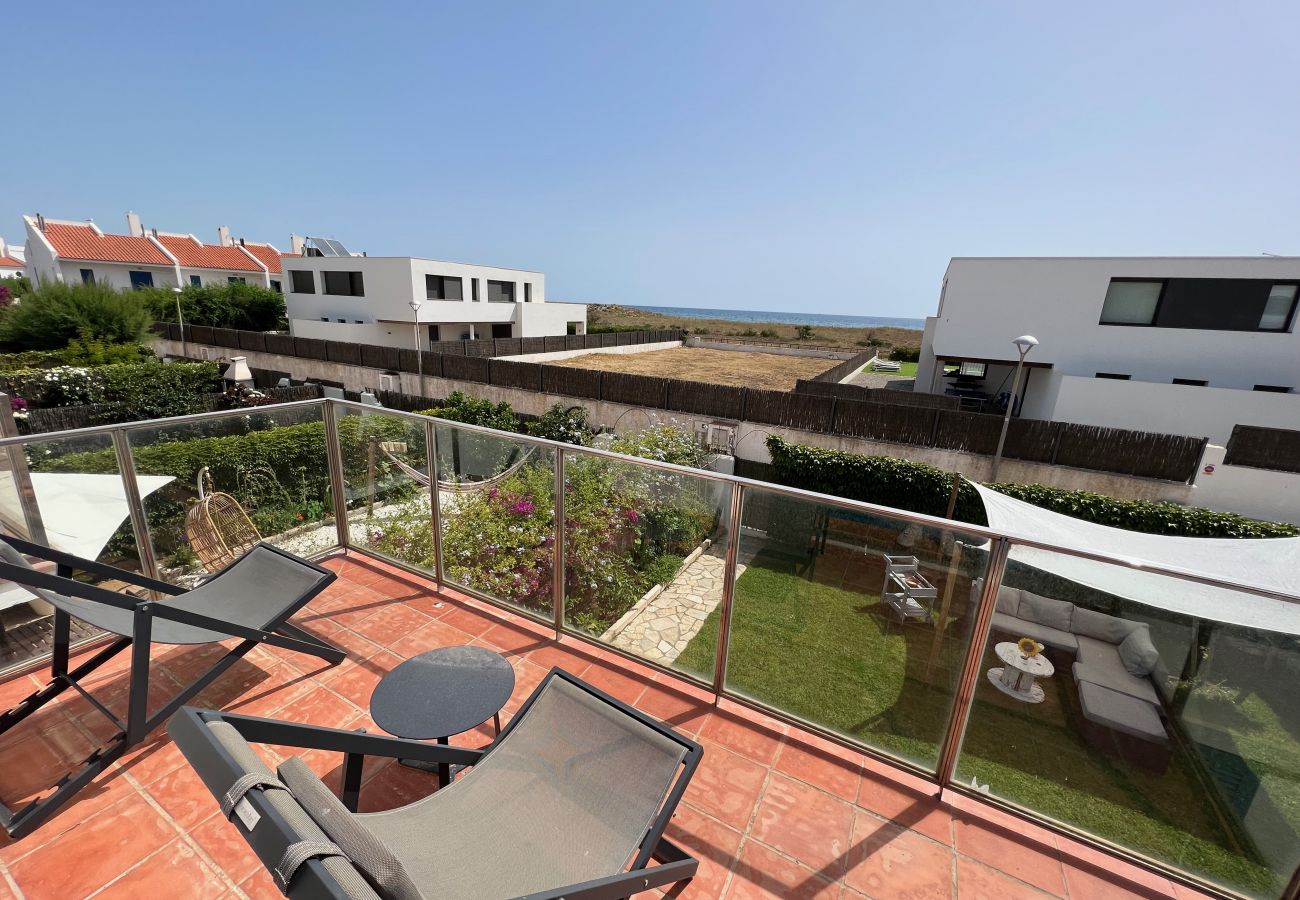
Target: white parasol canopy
point(1271, 564)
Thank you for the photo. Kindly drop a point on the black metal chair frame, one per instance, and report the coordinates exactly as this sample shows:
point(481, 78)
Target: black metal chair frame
point(272, 835)
point(138, 725)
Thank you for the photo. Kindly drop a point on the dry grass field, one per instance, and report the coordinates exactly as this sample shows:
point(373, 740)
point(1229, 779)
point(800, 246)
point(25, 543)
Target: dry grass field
point(768, 371)
point(854, 338)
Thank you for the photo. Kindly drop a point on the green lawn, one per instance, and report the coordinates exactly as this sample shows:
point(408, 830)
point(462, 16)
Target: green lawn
point(829, 654)
point(907, 370)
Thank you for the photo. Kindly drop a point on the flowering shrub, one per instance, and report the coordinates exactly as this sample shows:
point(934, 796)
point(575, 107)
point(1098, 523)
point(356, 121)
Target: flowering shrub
point(666, 443)
point(567, 424)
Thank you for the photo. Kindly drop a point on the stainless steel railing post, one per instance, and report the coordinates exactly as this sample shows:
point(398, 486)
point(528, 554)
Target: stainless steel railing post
point(970, 671)
point(134, 504)
point(728, 591)
point(557, 576)
point(338, 488)
point(435, 509)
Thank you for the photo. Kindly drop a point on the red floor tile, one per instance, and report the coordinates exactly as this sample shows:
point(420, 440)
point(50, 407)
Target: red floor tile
point(709, 841)
point(223, 843)
point(1027, 860)
point(160, 874)
point(887, 862)
point(759, 743)
point(976, 881)
point(821, 764)
point(904, 803)
point(806, 824)
point(727, 786)
point(764, 874)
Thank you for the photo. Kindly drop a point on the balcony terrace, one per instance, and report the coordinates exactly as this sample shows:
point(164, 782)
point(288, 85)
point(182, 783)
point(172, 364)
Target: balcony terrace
point(854, 747)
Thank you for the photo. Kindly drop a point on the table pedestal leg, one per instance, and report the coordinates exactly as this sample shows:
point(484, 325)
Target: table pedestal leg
point(442, 769)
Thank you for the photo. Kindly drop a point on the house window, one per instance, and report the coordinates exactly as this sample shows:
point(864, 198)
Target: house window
point(275, 286)
point(141, 279)
point(501, 291)
point(501, 331)
point(87, 276)
point(1114, 375)
point(344, 284)
point(324, 318)
point(342, 321)
point(528, 292)
point(473, 287)
point(1194, 382)
point(236, 279)
point(1273, 388)
point(1131, 302)
point(302, 282)
point(1218, 304)
point(442, 287)
point(196, 281)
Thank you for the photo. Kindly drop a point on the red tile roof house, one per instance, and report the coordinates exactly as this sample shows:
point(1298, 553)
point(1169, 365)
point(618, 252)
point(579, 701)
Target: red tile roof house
point(11, 262)
point(61, 250)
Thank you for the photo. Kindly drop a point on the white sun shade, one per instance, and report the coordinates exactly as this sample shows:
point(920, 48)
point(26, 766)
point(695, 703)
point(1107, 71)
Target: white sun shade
point(1271, 564)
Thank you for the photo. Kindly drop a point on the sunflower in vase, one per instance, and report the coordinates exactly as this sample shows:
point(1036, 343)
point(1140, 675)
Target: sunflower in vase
point(1028, 647)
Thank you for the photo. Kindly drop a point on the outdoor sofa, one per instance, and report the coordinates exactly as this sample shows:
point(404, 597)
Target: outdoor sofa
point(1114, 664)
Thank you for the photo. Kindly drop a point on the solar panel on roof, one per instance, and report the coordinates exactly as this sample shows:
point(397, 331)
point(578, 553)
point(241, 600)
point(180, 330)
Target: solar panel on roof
point(328, 247)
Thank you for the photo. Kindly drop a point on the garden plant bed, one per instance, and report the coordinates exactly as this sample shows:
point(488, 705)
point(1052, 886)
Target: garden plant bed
point(767, 371)
point(825, 650)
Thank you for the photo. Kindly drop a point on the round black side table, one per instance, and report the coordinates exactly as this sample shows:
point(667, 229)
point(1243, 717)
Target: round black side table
point(441, 693)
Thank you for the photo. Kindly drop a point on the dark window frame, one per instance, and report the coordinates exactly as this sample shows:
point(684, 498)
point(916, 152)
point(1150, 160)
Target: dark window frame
point(87, 276)
point(1273, 388)
point(356, 283)
point(1155, 313)
point(308, 274)
point(277, 286)
point(440, 292)
point(1191, 382)
point(236, 279)
point(196, 281)
point(1290, 313)
point(1114, 376)
point(139, 284)
point(499, 281)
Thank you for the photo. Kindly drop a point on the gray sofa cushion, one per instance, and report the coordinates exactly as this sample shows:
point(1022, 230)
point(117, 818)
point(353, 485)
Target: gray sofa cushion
point(1052, 637)
point(1121, 712)
point(1110, 673)
point(1092, 650)
point(1008, 600)
point(1138, 654)
point(1093, 624)
point(1046, 611)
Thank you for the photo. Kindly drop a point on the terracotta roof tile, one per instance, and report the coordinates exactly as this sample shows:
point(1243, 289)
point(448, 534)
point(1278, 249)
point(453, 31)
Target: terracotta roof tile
point(193, 255)
point(267, 254)
point(8, 262)
point(82, 242)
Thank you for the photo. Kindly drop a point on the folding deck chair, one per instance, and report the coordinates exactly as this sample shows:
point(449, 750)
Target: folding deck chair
point(253, 598)
point(570, 801)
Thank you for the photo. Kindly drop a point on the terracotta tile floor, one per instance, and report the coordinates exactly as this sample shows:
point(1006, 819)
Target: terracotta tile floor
point(773, 811)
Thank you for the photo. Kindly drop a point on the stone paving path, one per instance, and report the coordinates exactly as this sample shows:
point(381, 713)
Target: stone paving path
point(661, 628)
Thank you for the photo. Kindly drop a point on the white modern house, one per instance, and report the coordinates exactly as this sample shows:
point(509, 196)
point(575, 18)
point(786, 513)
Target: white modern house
point(396, 300)
point(73, 252)
point(12, 261)
point(1192, 345)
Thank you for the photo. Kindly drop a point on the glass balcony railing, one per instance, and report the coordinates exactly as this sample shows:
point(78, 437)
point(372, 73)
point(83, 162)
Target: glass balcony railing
point(1173, 739)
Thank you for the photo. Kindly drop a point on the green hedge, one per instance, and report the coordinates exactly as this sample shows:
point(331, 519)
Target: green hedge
point(922, 488)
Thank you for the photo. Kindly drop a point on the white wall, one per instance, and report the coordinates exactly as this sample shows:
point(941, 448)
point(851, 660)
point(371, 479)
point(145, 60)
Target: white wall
point(116, 274)
point(987, 302)
point(1169, 408)
point(1258, 493)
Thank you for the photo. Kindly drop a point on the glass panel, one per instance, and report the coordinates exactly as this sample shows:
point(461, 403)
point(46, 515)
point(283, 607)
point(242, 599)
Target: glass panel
point(267, 479)
point(645, 551)
point(1278, 307)
point(1173, 736)
point(1131, 302)
point(855, 622)
point(385, 475)
point(496, 501)
point(66, 494)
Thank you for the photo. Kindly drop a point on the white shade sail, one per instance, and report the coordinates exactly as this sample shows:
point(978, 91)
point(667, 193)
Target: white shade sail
point(1271, 564)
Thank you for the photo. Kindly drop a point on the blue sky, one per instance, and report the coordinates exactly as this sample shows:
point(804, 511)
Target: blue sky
point(826, 157)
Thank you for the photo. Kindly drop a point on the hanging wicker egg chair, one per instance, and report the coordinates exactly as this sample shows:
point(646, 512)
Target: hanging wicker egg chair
point(218, 529)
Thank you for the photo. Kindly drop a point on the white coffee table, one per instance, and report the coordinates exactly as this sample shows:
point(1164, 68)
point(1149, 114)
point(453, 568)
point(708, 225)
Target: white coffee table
point(1015, 677)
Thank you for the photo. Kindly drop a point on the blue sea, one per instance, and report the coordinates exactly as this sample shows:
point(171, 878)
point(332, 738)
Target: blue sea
point(784, 318)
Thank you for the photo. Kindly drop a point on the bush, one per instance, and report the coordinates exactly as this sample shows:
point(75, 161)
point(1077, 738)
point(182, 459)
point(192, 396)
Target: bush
point(768, 333)
point(77, 353)
point(564, 423)
point(906, 354)
point(475, 411)
point(664, 443)
point(248, 307)
point(12, 288)
point(127, 392)
point(53, 315)
point(918, 487)
point(803, 333)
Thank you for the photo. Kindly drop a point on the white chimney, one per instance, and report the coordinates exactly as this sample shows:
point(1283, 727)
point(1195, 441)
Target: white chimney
point(238, 371)
point(297, 244)
point(133, 226)
point(223, 236)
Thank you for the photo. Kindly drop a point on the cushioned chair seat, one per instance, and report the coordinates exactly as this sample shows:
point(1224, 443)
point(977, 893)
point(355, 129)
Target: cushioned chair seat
point(1111, 674)
point(1092, 650)
point(1120, 712)
point(1052, 637)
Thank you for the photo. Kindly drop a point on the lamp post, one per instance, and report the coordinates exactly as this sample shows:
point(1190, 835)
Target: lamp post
point(419, 357)
point(1024, 344)
point(185, 350)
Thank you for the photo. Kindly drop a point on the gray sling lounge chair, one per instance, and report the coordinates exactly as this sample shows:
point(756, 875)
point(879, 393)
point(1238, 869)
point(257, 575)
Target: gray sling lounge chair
point(253, 598)
point(571, 800)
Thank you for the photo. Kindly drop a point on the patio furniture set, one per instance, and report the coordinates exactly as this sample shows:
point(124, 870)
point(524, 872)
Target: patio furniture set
point(571, 798)
point(1115, 666)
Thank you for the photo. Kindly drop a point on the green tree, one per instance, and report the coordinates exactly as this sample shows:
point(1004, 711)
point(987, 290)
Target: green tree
point(248, 307)
point(54, 314)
